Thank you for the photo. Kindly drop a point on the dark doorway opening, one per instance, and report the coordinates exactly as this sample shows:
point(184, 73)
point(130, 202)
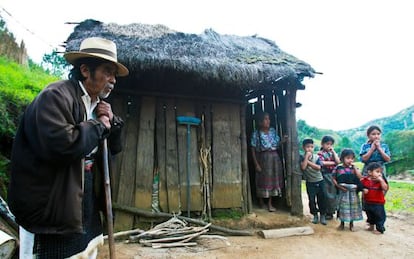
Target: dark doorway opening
point(273, 102)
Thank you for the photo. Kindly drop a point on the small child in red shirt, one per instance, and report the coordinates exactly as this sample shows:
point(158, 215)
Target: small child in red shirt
point(374, 197)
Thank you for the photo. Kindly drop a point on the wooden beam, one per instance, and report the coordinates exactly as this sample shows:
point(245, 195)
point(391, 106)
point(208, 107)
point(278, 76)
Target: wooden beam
point(145, 154)
point(285, 232)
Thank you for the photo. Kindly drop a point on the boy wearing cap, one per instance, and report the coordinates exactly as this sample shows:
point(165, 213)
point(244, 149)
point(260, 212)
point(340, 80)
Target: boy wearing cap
point(54, 171)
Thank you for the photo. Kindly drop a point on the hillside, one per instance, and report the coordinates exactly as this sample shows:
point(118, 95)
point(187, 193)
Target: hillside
point(398, 133)
point(19, 84)
point(403, 120)
point(355, 137)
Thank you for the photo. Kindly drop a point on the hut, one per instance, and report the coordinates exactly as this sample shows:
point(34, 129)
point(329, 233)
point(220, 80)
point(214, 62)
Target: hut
point(219, 81)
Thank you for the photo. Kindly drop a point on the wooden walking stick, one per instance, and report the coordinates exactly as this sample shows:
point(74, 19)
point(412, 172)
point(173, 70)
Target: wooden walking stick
point(108, 201)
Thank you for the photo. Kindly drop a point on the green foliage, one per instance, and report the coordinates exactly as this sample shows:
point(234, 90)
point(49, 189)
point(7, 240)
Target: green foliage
point(402, 142)
point(223, 214)
point(55, 64)
point(4, 30)
point(306, 131)
point(4, 164)
point(2, 25)
point(18, 86)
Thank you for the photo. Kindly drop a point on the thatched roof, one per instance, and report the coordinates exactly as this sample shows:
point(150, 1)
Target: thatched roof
point(232, 61)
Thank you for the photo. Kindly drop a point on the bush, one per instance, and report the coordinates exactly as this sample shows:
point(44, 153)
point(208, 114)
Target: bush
point(18, 87)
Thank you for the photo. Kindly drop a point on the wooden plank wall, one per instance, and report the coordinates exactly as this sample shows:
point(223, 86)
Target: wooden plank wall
point(170, 188)
point(119, 108)
point(187, 108)
point(155, 143)
point(125, 194)
point(145, 154)
point(227, 191)
point(161, 150)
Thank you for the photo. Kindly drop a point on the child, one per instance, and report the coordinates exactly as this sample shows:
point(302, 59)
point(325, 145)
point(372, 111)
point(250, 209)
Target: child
point(329, 159)
point(315, 185)
point(346, 179)
point(269, 173)
point(374, 150)
point(374, 190)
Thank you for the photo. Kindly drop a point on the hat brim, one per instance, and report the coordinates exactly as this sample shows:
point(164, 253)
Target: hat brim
point(72, 57)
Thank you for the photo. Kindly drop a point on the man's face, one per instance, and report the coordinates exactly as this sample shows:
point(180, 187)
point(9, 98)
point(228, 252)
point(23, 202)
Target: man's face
point(101, 82)
point(106, 91)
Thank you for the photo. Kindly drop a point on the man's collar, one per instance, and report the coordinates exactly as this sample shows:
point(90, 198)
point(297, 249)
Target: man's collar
point(86, 93)
point(83, 89)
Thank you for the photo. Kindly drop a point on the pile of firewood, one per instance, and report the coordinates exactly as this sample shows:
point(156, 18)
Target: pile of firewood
point(172, 233)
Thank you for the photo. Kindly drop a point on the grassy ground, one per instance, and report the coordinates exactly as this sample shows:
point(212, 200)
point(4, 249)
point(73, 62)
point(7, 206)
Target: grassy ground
point(400, 197)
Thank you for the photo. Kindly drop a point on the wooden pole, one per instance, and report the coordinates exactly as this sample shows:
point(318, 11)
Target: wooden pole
point(296, 175)
point(285, 232)
point(111, 240)
point(247, 196)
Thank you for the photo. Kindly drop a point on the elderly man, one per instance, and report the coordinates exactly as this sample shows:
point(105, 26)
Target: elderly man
point(53, 191)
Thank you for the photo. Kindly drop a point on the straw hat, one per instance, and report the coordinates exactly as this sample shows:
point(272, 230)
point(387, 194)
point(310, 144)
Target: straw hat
point(96, 47)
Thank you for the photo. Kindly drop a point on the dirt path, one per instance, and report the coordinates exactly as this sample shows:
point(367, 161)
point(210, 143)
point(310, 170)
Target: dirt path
point(326, 242)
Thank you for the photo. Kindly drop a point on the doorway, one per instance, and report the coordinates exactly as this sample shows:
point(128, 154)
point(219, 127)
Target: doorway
point(273, 102)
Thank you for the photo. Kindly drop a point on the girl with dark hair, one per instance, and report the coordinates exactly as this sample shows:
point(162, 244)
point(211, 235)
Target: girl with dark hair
point(329, 159)
point(374, 150)
point(346, 179)
point(269, 173)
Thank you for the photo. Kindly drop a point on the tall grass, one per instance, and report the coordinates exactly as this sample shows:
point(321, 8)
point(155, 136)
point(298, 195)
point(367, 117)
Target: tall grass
point(18, 86)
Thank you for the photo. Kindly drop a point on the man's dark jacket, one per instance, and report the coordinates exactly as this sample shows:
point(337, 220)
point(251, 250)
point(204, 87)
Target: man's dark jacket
point(53, 138)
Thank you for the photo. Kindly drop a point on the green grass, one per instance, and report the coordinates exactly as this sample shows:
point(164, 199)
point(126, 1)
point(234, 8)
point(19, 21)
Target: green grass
point(400, 197)
point(18, 86)
point(223, 214)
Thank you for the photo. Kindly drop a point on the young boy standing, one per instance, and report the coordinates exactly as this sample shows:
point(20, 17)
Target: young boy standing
point(315, 185)
point(374, 188)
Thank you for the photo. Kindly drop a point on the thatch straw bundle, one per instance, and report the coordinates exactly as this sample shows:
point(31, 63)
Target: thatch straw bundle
point(242, 62)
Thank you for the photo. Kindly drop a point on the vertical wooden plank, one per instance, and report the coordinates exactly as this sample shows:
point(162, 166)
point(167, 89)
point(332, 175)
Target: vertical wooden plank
point(187, 108)
point(250, 127)
point(285, 119)
point(145, 154)
point(126, 190)
point(118, 104)
point(226, 156)
point(247, 197)
point(161, 154)
point(296, 181)
point(172, 177)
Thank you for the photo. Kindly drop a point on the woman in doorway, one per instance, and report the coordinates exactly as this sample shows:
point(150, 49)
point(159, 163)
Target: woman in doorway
point(269, 173)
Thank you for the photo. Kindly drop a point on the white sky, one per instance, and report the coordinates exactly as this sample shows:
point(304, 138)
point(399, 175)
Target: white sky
point(364, 48)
